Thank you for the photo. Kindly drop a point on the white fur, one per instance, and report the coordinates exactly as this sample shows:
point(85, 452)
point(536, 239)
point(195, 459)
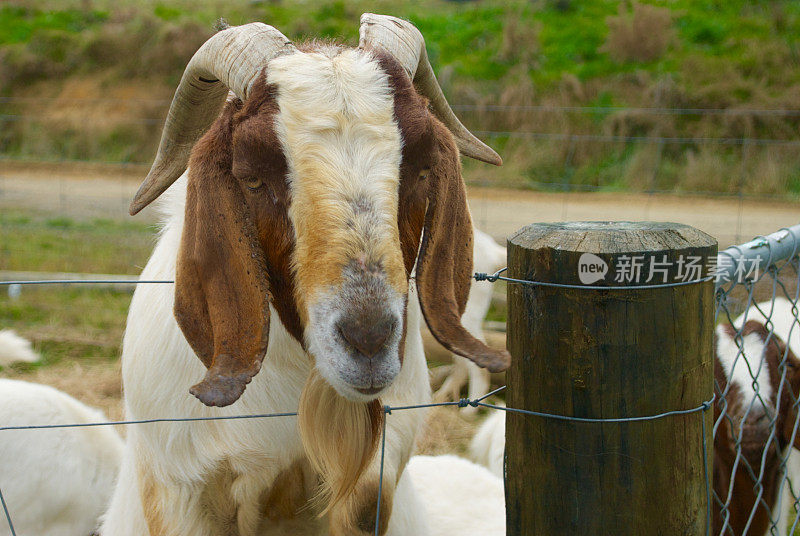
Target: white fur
point(14, 348)
point(488, 445)
point(343, 149)
point(158, 367)
point(56, 482)
point(454, 497)
point(745, 367)
point(487, 257)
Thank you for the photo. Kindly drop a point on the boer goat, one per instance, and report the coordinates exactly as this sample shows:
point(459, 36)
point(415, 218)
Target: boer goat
point(324, 181)
point(55, 482)
point(758, 382)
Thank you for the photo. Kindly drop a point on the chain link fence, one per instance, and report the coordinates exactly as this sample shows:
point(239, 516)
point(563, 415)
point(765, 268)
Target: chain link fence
point(756, 480)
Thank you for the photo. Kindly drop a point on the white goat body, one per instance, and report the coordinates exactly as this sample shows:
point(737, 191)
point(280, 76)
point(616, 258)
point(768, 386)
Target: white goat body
point(14, 349)
point(56, 482)
point(186, 457)
point(453, 496)
point(487, 447)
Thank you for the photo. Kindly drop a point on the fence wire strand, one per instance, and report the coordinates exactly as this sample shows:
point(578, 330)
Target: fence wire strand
point(777, 284)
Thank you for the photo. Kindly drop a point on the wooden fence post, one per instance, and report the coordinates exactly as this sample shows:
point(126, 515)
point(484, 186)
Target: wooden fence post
point(608, 354)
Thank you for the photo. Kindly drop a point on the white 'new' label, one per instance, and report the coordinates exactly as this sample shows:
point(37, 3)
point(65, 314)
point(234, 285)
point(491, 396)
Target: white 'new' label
point(591, 268)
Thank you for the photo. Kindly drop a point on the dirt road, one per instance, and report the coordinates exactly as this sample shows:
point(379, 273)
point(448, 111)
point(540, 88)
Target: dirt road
point(104, 192)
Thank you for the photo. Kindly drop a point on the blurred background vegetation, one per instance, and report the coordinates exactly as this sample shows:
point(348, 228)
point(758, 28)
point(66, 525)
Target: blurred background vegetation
point(600, 95)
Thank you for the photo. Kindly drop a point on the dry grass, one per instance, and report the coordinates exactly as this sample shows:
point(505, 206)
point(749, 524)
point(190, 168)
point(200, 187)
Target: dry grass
point(643, 35)
point(96, 384)
point(447, 431)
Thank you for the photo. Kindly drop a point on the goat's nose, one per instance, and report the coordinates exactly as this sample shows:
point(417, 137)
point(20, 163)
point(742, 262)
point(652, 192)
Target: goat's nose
point(365, 333)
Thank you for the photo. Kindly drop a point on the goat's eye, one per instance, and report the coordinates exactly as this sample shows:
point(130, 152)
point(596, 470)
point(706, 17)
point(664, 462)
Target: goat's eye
point(254, 183)
point(423, 174)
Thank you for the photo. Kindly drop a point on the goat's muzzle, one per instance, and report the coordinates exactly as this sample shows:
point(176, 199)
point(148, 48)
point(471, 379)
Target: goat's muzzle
point(355, 334)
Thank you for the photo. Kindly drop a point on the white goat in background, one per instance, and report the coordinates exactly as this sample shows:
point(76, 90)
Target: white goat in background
point(331, 175)
point(488, 257)
point(15, 349)
point(56, 482)
point(455, 497)
point(489, 443)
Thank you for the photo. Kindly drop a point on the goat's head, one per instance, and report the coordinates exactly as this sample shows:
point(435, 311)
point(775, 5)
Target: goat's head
point(760, 378)
point(330, 174)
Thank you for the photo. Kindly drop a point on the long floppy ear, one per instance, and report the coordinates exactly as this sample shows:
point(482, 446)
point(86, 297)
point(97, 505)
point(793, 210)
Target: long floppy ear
point(221, 287)
point(444, 265)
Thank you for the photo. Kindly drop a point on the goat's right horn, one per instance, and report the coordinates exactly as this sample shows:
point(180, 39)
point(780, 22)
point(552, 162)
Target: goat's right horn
point(404, 41)
point(231, 59)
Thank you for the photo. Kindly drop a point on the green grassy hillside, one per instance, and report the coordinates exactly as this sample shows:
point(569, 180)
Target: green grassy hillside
point(87, 79)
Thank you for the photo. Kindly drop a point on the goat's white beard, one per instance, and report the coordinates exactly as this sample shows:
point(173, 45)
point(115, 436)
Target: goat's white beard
point(339, 437)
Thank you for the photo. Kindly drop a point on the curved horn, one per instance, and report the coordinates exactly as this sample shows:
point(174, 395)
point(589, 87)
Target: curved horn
point(231, 59)
point(405, 43)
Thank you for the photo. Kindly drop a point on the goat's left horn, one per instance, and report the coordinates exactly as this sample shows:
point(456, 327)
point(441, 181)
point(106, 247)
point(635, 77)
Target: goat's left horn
point(231, 59)
point(405, 43)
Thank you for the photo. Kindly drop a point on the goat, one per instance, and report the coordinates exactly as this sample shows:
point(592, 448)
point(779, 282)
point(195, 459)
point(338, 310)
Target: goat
point(330, 175)
point(758, 379)
point(14, 349)
point(435, 496)
point(454, 496)
point(488, 445)
point(54, 481)
point(488, 257)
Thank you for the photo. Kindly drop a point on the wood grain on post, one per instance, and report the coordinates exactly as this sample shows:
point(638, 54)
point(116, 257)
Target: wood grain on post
point(608, 354)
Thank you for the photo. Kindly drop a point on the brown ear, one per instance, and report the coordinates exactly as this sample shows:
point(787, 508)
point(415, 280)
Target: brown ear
point(444, 265)
point(221, 288)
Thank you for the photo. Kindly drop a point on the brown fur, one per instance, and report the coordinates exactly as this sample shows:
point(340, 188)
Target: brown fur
point(360, 510)
point(288, 494)
point(235, 248)
point(152, 504)
point(744, 498)
point(444, 267)
point(217, 503)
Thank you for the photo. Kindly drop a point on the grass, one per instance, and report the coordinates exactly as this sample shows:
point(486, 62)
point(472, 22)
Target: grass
point(41, 243)
point(655, 53)
point(73, 323)
point(77, 323)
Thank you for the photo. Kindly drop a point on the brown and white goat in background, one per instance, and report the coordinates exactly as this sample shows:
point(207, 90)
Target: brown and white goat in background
point(758, 381)
point(330, 176)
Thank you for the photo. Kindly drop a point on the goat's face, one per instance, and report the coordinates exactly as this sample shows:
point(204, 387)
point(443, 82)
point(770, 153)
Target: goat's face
point(317, 195)
point(759, 398)
point(343, 147)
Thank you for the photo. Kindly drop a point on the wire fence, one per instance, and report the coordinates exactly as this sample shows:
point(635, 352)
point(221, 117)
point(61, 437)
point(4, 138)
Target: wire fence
point(753, 485)
point(488, 122)
point(757, 383)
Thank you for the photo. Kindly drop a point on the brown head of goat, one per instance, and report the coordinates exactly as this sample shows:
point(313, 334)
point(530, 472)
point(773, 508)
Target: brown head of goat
point(329, 175)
